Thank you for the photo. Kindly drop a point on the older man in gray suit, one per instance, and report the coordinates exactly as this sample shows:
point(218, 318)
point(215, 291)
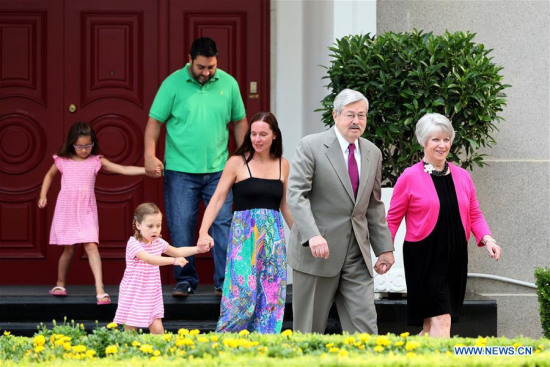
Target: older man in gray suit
point(334, 196)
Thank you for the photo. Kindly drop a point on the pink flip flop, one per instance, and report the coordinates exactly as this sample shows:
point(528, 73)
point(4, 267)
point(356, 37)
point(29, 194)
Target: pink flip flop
point(58, 291)
point(100, 296)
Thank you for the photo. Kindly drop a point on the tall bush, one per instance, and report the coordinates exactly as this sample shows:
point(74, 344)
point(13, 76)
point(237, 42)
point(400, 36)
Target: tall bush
point(542, 276)
point(404, 76)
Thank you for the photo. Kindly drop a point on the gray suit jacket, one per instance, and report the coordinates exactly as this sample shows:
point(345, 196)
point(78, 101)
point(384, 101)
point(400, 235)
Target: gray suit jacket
point(321, 200)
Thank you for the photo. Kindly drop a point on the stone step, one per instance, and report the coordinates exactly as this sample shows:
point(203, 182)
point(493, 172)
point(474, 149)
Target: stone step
point(20, 313)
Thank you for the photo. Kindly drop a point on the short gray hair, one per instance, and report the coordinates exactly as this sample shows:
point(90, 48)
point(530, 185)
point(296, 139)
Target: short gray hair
point(346, 97)
point(431, 123)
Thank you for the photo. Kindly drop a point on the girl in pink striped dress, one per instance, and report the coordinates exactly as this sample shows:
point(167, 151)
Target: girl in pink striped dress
point(140, 301)
point(75, 217)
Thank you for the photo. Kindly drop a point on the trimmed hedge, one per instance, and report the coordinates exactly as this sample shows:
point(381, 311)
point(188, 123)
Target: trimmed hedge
point(69, 345)
point(542, 276)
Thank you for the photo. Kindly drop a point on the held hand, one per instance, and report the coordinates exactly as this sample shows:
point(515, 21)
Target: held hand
point(319, 247)
point(204, 244)
point(493, 249)
point(384, 262)
point(180, 261)
point(153, 167)
point(42, 202)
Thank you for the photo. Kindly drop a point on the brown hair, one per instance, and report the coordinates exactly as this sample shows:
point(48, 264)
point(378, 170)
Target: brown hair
point(141, 211)
point(276, 149)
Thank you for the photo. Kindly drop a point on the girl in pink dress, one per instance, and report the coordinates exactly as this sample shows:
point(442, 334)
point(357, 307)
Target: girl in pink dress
point(140, 301)
point(75, 217)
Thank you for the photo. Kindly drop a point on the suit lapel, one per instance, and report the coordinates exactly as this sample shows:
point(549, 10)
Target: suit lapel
point(365, 167)
point(336, 159)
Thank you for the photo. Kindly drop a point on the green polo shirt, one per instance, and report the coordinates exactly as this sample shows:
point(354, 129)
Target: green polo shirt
point(196, 118)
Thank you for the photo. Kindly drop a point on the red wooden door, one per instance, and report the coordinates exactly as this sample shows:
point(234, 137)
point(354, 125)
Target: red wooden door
point(31, 130)
point(109, 81)
point(102, 62)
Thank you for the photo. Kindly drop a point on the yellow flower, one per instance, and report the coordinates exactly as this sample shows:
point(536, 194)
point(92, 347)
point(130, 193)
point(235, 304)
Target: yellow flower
point(405, 334)
point(329, 345)
point(244, 332)
point(343, 353)
point(333, 350)
point(412, 345)
point(167, 337)
point(39, 340)
point(516, 345)
point(349, 340)
point(90, 353)
point(195, 332)
point(6, 333)
point(287, 332)
point(365, 338)
point(146, 348)
point(203, 339)
point(214, 338)
point(136, 344)
point(184, 341)
point(378, 349)
point(156, 353)
point(481, 342)
point(39, 348)
point(383, 340)
point(399, 343)
point(183, 332)
point(111, 349)
point(112, 325)
point(67, 346)
point(79, 348)
point(215, 346)
point(231, 343)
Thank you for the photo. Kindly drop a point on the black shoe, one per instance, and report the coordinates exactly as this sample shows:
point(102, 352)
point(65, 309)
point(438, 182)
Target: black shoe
point(218, 291)
point(182, 289)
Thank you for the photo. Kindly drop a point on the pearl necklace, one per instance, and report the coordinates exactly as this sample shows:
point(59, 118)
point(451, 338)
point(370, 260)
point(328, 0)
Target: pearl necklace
point(432, 171)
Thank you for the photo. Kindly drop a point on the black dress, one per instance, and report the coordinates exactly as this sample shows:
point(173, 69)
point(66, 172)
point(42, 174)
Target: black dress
point(436, 267)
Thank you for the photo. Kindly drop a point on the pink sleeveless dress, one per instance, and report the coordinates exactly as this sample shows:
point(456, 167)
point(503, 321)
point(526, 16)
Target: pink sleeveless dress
point(75, 217)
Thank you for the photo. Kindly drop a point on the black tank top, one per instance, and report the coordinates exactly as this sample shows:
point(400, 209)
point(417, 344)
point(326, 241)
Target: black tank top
point(258, 193)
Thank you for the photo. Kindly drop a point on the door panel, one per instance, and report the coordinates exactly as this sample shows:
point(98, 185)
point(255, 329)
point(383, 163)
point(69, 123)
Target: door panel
point(112, 48)
point(30, 67)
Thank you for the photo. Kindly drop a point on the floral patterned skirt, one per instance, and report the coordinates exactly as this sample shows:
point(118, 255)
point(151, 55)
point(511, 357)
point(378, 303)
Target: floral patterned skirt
point(254, 289)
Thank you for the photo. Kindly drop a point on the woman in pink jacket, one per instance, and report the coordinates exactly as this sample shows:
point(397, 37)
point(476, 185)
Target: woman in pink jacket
point(438, 201)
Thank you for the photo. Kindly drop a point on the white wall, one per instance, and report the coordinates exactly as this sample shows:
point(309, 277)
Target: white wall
point(301, 33)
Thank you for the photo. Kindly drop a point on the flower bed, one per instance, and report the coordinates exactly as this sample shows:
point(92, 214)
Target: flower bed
point(69, 345)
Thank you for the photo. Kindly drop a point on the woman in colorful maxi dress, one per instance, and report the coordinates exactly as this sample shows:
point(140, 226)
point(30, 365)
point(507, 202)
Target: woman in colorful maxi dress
point(254, 289)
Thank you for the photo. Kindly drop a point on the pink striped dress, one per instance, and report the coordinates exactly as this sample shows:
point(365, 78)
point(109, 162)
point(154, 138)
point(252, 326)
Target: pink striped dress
point(75, 216)
point(140, 296)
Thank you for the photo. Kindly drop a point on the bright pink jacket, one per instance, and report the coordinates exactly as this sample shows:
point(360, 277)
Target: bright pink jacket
point(414, 197)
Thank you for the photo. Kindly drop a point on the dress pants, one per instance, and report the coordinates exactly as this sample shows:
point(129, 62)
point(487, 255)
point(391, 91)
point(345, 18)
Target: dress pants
point(352, 289)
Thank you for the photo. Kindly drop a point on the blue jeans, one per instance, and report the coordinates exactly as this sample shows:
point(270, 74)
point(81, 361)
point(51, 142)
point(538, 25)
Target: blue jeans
point(182, 192)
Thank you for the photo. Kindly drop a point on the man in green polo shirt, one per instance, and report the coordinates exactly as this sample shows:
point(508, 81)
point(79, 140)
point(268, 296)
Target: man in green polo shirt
point(195, 104)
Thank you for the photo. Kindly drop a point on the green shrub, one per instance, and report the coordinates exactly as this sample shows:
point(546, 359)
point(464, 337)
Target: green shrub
point(542, 276)
point(112, 346)
point(406, 75)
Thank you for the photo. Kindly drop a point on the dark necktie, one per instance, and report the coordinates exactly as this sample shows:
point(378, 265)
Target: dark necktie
point(352, 169)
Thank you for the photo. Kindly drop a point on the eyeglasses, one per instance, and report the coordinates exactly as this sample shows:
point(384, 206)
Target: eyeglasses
point(352, 116)
point(84, 147)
